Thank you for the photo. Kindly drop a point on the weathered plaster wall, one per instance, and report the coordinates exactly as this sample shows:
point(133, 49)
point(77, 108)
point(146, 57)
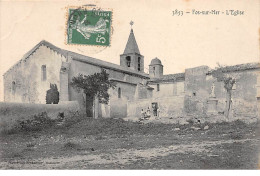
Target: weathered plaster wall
point(10, 113)
point(171, 106)
point(199, 89)
point(196, 90)
point(27, 76)
point(244, 94)
point(168, 89)
point(117, 107)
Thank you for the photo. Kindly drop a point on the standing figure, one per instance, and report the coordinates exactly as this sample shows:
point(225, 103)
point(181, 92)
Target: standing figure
point(142, 115)
point(148, 113)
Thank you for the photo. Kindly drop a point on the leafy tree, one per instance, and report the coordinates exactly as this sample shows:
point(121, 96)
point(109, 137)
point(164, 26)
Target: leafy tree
point(220, 73)
point(95, 85)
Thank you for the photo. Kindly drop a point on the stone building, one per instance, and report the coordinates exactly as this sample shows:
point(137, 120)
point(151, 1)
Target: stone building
point(193, 92)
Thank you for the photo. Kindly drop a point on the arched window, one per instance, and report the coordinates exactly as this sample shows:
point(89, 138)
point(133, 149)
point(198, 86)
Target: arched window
point(13, 87)
point(139, 63)
point(44, 76)
point(128, 61)
point(119, 92)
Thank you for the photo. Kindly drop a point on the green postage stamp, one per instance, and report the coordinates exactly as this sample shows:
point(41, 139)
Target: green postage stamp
point(89, 27)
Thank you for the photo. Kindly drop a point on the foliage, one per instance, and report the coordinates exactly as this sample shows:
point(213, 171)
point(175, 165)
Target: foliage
point(37, 123)
point(52, 96)
point(229, 81)
point(94, 85)
point(219, 74)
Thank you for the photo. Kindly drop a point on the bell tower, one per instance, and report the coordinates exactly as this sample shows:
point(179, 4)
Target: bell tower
point(131, 58)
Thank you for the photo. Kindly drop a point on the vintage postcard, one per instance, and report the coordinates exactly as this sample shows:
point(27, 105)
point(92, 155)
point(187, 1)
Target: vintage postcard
point(129, 85)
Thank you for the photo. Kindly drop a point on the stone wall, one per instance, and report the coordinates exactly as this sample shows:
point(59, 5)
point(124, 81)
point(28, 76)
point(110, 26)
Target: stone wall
point(117, 107)
point(199, 86)
point(171, 106)
point(11, 112)
point(23, 82)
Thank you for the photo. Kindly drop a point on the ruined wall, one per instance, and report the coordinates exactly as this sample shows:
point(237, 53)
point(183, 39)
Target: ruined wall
point(23, 82)
point(199, 87)
point(244, 94)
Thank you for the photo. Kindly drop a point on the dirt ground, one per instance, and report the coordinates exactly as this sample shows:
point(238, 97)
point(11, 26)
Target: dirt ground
point(119, 144)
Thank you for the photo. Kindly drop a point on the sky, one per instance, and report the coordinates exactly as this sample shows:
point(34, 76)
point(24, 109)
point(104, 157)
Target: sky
point(179, 41)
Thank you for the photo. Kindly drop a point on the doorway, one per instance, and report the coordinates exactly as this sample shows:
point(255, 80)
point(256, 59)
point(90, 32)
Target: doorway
point(155, 108)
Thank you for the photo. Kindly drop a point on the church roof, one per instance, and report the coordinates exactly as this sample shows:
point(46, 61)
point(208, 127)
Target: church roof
point(131, 45)
point(82, 58)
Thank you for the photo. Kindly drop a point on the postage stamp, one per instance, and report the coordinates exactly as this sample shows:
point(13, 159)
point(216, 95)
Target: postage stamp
point(89, 27)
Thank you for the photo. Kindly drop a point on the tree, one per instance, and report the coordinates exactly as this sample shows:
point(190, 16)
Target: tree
point(220, 73)
point(94, 86)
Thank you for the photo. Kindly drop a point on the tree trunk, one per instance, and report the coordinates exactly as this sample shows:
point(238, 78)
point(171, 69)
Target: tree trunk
point(228, 103)
point(89, 105)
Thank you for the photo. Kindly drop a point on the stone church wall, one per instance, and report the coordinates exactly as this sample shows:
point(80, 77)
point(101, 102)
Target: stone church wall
point(23, 82)
point(117, 106)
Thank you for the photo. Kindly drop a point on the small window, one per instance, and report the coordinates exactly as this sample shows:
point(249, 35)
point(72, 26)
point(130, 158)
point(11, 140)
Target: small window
point(139, 63)
point(128, 61)
point(13, 87)
point(158, 87)
point(44, 76)
point(119, 92)
point(194, 94)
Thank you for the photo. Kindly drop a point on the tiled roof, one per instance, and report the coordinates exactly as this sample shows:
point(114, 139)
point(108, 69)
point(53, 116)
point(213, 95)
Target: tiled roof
point(82, 58)
point(168, 78)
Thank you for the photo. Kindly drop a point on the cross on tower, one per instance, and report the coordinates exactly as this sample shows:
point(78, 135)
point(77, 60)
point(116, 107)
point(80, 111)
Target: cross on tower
point(131, 23)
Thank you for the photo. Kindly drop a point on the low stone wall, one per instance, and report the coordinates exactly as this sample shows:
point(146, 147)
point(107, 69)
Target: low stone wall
point(11, 112)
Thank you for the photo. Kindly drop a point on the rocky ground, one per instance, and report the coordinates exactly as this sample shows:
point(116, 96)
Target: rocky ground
point(117, 144)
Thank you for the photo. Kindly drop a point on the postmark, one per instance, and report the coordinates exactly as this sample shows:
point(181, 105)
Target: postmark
point(89, 26)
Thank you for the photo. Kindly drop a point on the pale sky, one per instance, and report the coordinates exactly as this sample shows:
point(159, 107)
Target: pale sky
point(179, 41)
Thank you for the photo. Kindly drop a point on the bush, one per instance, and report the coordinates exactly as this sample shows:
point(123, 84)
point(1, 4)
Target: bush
point(38, 123)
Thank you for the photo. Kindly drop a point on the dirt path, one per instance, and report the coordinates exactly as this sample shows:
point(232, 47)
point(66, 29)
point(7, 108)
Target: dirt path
point(119, 157)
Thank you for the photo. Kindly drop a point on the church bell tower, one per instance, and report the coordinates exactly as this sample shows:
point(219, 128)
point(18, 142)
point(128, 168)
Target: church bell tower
point(131, 58)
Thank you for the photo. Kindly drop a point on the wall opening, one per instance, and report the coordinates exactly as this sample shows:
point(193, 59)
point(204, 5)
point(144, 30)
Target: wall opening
point(44, 74)
point(119, 92)
point(139, 63)
point(128, 61)
point(158, 87)
point(13, 87)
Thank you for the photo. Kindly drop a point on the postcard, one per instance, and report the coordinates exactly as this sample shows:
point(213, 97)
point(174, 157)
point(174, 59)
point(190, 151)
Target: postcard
point(129, 85)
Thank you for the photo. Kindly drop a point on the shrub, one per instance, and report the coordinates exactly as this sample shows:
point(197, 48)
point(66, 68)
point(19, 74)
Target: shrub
point(38, 123)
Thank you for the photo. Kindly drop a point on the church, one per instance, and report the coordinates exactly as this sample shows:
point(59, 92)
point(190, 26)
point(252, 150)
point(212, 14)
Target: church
point(193, 92)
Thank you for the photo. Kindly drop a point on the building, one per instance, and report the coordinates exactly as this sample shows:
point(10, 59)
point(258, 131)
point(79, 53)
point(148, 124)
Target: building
point(193, 92)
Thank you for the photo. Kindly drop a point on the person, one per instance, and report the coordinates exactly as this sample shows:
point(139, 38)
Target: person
point(142, 115)
point(148, 113)
point(158, 112)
